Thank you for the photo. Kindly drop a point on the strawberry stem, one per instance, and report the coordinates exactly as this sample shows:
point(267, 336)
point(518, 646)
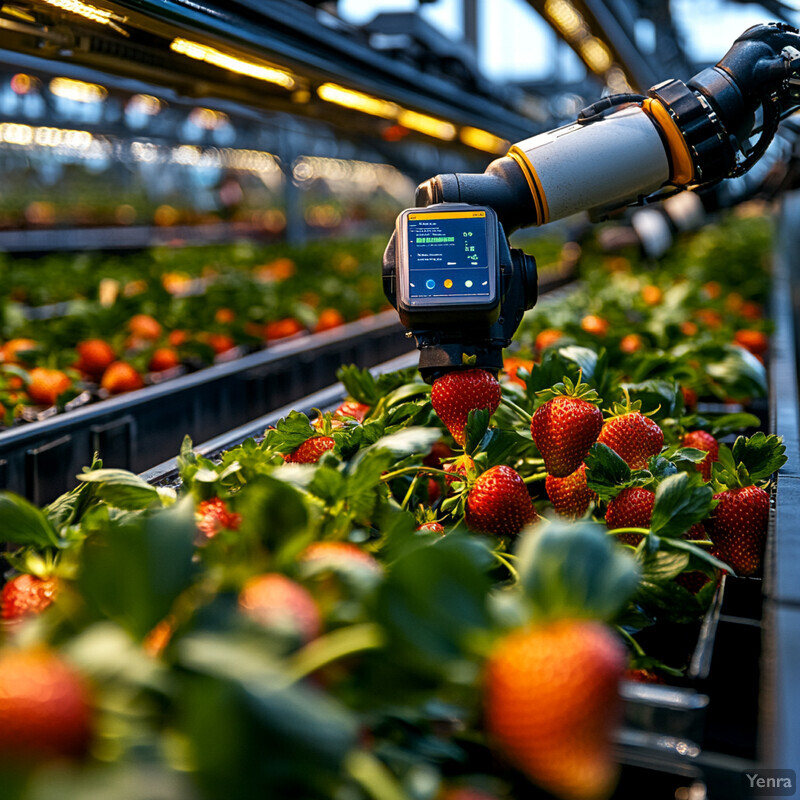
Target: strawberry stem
point(373, 776)
point(521, 412)
point(411, 490)
point(537, 476)
point(507, 564)
point(643, 531)
point(637, 648)
point(388, 476)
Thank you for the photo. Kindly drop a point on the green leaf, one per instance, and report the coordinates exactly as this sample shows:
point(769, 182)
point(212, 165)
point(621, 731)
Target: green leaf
point(681, 501)
point(132, 572)
point(606, 472)
point(727, 424)
point(289, 433)
point(25, 524)
point(660, 467)
point(121, 489)
point(664, 395)
point(505, 447)
point(273, 511)
point(583, 357)
point(761, 454)
point(406, 442)
point(740, 373)
point(574, 570)
point(475, 430)
point(359, 383)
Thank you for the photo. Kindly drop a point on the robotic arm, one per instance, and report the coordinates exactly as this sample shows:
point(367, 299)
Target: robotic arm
point(448, 269)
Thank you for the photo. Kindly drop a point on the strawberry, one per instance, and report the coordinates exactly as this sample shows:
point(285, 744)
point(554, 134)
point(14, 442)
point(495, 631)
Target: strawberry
point(311, 450)
point(498, 502)
point(163, 358)
point(755, 342)
point(143, 326)
point(25, 595)
point(281, 604)
point(594, 325)
point(631, 508)
point(213, 516)
point(329, 318)
point(565, 427)
point(178, 337)
point(121, 377)
point(570, 496)
point(14, 349)
point(282, 329)
point(632, 435)
point(701, 440)
point(354, 409)
point(693, 580)
point(652, 295)
point(224, 316)
point(340, 557)
point(552, 704)
point(696, 533)
point(431, 527)
point(631, 343)
point(94, 355)
point(44, 707)
point(738, 527)
point(47, 385)
point(219, 342)
point(642, 676)
point(456, 393)
point(547, 338)
point(512, 365)
point(438, 452)
point(689, 397)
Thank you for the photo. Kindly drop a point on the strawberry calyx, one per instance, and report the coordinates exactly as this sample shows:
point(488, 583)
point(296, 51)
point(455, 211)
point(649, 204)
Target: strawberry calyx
point(750, 461)
point(570, 388)
point(628, 407)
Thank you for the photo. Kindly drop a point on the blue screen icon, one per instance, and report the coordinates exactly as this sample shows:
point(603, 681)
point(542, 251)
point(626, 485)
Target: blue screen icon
point(430, 283)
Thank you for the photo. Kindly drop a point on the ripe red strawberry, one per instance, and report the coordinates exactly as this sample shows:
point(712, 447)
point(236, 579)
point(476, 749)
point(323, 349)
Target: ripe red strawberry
point(121, 377)
point(213, 516)
point(693, 580)
point(696, 533)
point(25, 595)
point(754, 341)
point(94, 355)
point(439, 451)
point(701, 440)
point(634, 437)
point(738, 527)
point(565, 427)
point(352, 408)
point(281, 604)
point(431, 527)
point(552, 705)
point(631, 508)
point(457, 393)
point(570, 496)
point(311, 450)
point(499, 503)
point(44, 707)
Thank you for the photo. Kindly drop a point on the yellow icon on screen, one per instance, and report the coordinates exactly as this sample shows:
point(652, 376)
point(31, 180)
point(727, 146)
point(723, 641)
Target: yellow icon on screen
point(448, 284)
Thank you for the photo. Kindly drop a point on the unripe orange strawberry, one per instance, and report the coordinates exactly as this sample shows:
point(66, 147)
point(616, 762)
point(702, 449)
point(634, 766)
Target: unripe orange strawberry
point(163, 358)
point(738, 527)
point(552, 705)
point(218, 342)
point(44, 707)
point(634, 437)
point(596, 326)
point(631, 508)
point(177, 337)
point(700, 440)
point(25, 595)
point(94, 355)
point(570, 496)
point(281, 329)
point(47, 385)
point(547, 338)
point(499, 503)
point(224, 316)
point(13, 349)
point(329, 318)
point(652, 295)
point(631, 343)
point(311, 450)
point(513, 365)
point(279, 603)
point(143, 326)
point(456, 393)
point(755, 342)
point(564, 429)
point(121, 377)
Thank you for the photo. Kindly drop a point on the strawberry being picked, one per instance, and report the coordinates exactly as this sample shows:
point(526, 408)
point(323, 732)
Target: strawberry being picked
point(738, 523)
point(456, 393)
point(498, 502)
point(565, 427)
point(633, 436)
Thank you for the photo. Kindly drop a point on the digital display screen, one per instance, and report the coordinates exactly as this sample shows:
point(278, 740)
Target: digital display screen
point(448, 255)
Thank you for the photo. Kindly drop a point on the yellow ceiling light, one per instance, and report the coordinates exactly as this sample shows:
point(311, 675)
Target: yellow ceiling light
point(79, 91)
point(564, 16)
point(90, 12)
point(358, 101)
point(217, 58)
point(483, 140)
point(144, 104)
point(596, 55)
point(431, 126)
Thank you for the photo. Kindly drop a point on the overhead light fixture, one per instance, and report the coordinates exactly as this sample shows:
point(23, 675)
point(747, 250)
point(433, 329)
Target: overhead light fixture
point(144, 104)
point(79, 91)
point(566, 18)
point(430, 126)
point(90, 12)
point(358, 101)
point(217, 58)
point(596, 55)
point(483, 140)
